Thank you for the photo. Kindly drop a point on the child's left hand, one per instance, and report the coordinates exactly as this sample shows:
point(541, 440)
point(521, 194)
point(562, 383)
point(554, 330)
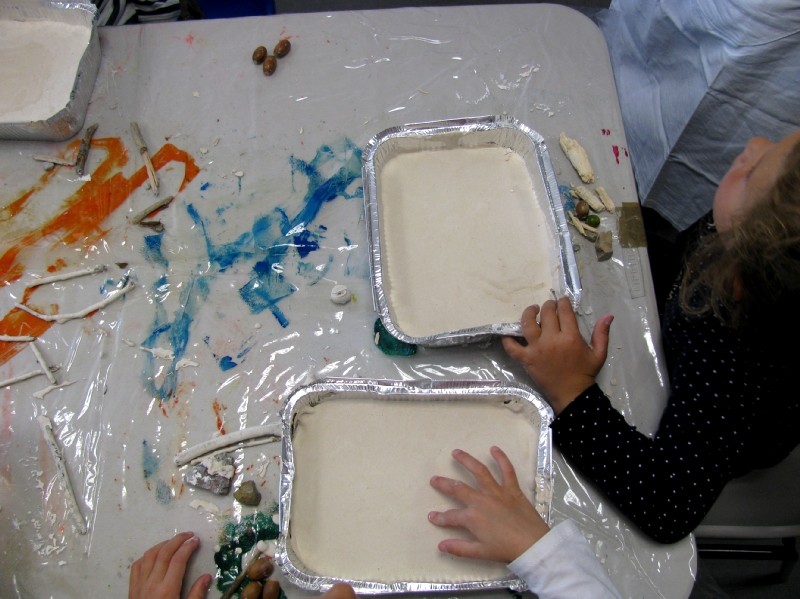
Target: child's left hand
point(557, 358)
point(500, 517)
point(158, 574)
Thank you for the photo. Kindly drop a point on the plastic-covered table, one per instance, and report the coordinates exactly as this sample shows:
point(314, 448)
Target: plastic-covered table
point(230, 306)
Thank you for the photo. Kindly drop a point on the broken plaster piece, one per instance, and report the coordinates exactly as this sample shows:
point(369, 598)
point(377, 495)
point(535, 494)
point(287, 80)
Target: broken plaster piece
point(206, 505)
point(16, 338)
point(214, 474)
point(42, 392)
point(159, 352)
point(45, 366)
point(19, 378)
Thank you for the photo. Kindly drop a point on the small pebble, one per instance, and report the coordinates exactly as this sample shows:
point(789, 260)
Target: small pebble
point(340, 294)
point(247, 494)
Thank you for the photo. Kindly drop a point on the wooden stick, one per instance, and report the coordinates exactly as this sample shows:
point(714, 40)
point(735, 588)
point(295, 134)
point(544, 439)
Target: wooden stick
point(54, 160)
point(112, 296)
point(43, 363)
point(66, 276)
point(61, 465)
point(137, 218)
point(83, 151)
point(16, 338)
point(148, 164)
point(20, 378)
point(268, 431)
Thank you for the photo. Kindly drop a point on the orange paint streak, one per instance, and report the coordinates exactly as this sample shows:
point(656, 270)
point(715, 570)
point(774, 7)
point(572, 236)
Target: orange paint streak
point(79, 223)
point(218, 412)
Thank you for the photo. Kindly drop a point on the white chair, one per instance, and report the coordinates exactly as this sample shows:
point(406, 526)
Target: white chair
point(756, 517)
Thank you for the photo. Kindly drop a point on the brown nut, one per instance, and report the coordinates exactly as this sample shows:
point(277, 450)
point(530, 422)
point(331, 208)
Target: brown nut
point(269, 66)
point(282, 48)
point(261, 568)
point(581, 209)
point(259, 54)
point(251, 591)
point(272, 590)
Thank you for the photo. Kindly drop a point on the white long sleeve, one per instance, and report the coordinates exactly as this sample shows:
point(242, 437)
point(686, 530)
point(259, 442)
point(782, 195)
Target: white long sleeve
point(562, 565)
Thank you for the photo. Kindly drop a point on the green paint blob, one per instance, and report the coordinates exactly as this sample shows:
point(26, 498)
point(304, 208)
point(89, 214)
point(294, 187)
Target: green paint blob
point(242, 535)
point(389, 345)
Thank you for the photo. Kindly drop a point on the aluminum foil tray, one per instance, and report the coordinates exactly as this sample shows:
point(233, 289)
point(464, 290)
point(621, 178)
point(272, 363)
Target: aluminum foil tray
point(68, 120)
point(477, 132)
point(521, 401)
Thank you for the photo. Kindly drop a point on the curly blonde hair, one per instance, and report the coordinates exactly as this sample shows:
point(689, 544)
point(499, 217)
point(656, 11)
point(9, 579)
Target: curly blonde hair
point(759, 257)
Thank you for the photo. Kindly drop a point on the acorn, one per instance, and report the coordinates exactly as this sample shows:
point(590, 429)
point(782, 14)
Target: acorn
point(282, 48)
point(259, 54)
point(272, 590)
point(581, 209)
point(269, 66)
point(260, 568)
point(251, 591)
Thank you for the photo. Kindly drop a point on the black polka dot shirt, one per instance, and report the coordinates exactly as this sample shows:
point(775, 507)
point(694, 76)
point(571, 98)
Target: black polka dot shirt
point(731, 409)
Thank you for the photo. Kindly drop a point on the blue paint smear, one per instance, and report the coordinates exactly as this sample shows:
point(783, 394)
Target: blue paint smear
point(226, 363)
point(269, 242)
point(152, 250)
point(313, 273)
point(149, 460)
point(171, 332)
point(163, 492)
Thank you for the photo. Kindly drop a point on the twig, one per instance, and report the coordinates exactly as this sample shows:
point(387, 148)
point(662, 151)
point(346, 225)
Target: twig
point(187, 455)
point(16, 338)
point(60, 318)
point(148, 164)
point(54, 160)
point(66, 276)
point(83, 151)
point(20, 378)
point(45, 366)
point(137, 218)
point(61, 465)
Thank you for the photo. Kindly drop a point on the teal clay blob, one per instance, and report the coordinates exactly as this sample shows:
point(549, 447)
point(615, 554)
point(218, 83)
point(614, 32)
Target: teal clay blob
point(389, 345)
point(242, 535)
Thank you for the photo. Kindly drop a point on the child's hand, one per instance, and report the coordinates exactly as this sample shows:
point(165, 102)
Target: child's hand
point(557, 358)
point(499, 516)
point(158, 574)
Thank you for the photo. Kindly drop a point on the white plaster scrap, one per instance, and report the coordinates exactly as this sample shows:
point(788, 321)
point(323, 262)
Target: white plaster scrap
point(605, 198)
point(45, 366)
point(42, 392)
point(340, 294)
point(215, 466)
point(61, 466)
point(204, 150)
point(186, 363)
point(159, 352)
point(67, 275)
point(16, 338)
point(60, 318)
point(588, 196)
point(196, 94)
point(20, 377)
point(53, 160)
point(272, 431)
point(578, 157)
point(205, 505)
point(239, 174)
point(128, 342)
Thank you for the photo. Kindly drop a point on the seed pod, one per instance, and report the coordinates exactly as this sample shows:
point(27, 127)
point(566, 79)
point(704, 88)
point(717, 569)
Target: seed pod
point(269, 66)
point(282, 48)
point(251, 591)
point(261, 568)
point(272, 590)
point(259, 54)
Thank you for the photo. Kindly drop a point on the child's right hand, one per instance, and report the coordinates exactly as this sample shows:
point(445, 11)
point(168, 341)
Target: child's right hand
point(557, 358)
point(500, 517)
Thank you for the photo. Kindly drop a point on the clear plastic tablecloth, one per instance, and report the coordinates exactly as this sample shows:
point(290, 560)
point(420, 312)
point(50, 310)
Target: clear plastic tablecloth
point(230, 307)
